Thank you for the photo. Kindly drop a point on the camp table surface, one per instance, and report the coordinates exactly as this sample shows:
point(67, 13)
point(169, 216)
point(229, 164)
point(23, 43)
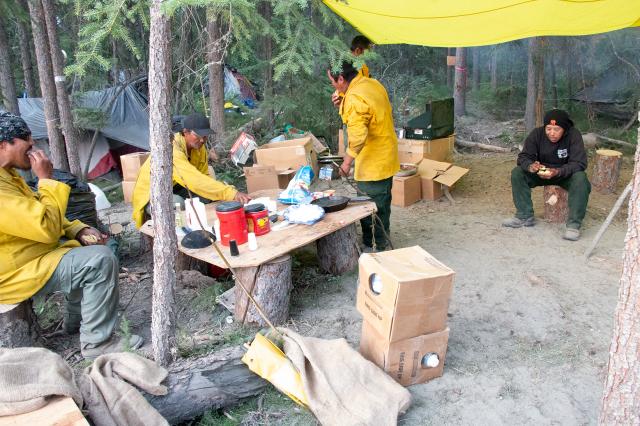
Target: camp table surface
point(275, 243)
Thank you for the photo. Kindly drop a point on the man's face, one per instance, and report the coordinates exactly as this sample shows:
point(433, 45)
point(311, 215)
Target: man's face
point(194, 140)
point(15, 154)
point(340, 84)
point(554, 133)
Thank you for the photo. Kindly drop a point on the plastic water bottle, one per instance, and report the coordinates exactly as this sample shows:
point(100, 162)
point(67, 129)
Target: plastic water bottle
point(179, 221)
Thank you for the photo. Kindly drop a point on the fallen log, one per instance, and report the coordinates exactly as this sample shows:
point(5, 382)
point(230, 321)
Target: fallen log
point(484, 146)
point(590, 136)
point(209, 382)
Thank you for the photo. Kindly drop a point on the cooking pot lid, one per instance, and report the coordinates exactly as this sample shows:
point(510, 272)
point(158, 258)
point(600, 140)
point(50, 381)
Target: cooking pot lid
point(228, 206)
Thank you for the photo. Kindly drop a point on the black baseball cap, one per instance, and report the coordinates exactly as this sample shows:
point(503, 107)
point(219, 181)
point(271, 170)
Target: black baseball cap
point(198, 123)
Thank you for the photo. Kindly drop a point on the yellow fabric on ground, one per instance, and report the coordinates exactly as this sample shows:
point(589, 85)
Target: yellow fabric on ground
point(476, 23)
point(372, 138)
point(192, 169)
point(31, 225)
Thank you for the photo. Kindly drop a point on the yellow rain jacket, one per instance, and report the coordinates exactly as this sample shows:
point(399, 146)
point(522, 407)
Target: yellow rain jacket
point(364, 71)
point(193, 168)
point(31, 225)
point(366, 111)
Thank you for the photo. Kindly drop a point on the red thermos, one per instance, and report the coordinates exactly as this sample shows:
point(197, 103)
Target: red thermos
point(233, 224)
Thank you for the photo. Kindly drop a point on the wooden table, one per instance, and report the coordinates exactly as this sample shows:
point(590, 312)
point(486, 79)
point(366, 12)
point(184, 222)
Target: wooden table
point(266, 272)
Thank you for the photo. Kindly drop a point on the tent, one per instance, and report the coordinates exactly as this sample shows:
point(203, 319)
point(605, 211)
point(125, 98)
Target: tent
point(127, 129)
point(612, 93)
point(461, 23)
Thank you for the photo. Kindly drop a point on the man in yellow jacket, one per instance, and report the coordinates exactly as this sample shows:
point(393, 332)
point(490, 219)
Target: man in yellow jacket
point(41, 252)
point(366, 111)
point(190, 169)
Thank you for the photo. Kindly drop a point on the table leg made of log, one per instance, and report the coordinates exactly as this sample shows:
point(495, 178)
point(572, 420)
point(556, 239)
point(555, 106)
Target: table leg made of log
point(18, 326)
point(270, 285)
point(338, 252)
point(556, 204)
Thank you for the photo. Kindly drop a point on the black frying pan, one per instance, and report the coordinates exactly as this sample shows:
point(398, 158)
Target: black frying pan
point(333, 203)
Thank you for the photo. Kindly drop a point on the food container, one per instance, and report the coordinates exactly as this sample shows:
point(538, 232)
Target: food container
point(233, 224)
point(257, 217)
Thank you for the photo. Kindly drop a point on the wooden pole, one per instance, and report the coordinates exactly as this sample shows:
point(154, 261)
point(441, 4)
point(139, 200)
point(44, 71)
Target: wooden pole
point(608, 220)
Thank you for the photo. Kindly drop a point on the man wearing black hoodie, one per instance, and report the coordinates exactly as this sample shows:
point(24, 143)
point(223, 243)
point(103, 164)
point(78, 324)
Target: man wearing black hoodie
point(553, 154)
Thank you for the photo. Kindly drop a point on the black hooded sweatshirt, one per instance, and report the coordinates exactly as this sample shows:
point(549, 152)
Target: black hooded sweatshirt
point(568, 154)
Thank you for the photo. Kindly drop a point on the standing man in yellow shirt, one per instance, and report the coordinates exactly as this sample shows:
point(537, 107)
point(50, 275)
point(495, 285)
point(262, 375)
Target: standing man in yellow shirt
point(190, 170)
point(366, 111)
point(41, 251)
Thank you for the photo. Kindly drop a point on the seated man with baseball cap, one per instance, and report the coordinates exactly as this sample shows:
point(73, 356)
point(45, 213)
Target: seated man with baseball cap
point(553, 154)
point(190, 170)
point(41, 252)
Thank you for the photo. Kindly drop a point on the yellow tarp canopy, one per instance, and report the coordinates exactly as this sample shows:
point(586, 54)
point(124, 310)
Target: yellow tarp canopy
point(459, 23)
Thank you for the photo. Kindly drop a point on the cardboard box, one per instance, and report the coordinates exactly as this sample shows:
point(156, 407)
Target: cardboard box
point(431, 190)
point(439, 173)
point(131, 163)
point(405, 360)
point(127, 190)
point(291, 154)
point(266, 177)
point(404, 293)
point(405, 190)
point(242, 148)
point(414, 151)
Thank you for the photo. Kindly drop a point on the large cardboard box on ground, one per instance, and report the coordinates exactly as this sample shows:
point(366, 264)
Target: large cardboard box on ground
point(404, 293)
point(414, 150)
point(403, 360)
point(291, 154)
point(127, 189)
point(131, 163)
point(405, 190)
point(435, 174)
point(266, 177)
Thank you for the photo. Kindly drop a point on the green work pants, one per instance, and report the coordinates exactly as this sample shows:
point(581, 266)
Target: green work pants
point(88, 278)
point(380, 193)
point(577, 185)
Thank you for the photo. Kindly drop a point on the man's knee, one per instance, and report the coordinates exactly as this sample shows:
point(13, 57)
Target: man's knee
point(518, 175)
point(101, 257)
point(579, 182)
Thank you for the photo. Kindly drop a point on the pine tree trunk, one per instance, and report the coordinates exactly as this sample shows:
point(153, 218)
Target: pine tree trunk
point(449, 70)
point(24, 38)
point(267, 49)
point(494, 69)
point(7, 82)
point(71, 135)
point(475, 81)
point(460, 92)
point(534, 66)
point(216, 49)
point(621, 398)
point(165, 244)
point(554, 81)
point(540, 84)
point(45, 74)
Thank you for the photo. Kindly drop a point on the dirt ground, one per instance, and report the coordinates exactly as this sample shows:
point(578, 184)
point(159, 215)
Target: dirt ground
point(530, 319)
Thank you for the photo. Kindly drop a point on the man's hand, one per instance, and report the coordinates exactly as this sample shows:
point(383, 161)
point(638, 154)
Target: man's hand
point(40, 164)
point(336, 99)
point(91, 236)
point(549, 173)
point(241, 197)
point(213, 155)
point(345, 169)
point(534, 167)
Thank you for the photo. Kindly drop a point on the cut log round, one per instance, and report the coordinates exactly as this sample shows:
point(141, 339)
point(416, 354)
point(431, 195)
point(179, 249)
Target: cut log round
point(556, 204)
point(338, 251)
point(18, 326)
point(187, 263)
point(606, 170)
point(209, 382)
point(270, 286)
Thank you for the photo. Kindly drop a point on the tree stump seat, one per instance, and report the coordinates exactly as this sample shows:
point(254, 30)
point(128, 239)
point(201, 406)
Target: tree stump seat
point(18, 325)
point(556, 204)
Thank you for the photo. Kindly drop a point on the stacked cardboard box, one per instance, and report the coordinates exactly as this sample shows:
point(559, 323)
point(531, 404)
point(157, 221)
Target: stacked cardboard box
point(130, 164)
point(403, 296)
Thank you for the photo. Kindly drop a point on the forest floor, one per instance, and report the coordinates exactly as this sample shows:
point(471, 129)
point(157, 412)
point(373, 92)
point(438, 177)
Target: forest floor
point(530, 319)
